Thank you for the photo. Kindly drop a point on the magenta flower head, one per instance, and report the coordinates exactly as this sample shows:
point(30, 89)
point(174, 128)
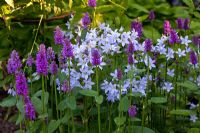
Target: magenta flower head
point(65, 86)
point(137, 26)
point(151, 15)
point(193, 58)
point(58, 35)
point(130, 59)
point(96, 58)
point(50, 54)
point(92, 3)
point(53, 68)
point(14, 63)
point(132, 111)
point(21, 84)
point(29, 61)
point(179, 22)
point(67, 50)
point(29, 109)
point(173, 37)
point(130, 48)
point(86, 20)
point(166, 27)
point(41, 61)
point(119, 74)
point(186, 24)
point(148, 45)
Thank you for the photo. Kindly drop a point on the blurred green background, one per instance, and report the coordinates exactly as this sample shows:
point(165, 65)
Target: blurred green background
point(27, 22)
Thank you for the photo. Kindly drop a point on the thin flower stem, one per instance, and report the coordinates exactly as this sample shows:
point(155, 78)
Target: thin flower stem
point(69, 72)
point(55, 89)
point(43, 105)
point(98, 105)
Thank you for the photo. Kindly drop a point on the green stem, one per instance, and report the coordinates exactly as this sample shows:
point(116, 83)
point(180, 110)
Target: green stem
point(85, 115)
point(143, 108)
point(69, 71)
point(98, 105)
point(43, 105)
point(55, 89)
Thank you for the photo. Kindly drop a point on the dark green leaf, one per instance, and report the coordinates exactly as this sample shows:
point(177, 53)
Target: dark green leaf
point(124, 104)
point(91, 93)
point(158, 100)
point(99, 99)
point(8, 102)
point(181, 112)
point(53, 125)
point(120, 120)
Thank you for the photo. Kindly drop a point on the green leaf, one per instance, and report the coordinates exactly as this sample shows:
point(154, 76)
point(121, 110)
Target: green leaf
point(135, 119)
point(43, 116)
point(138, 129)
point(151, 32)
point(83, 34)
point(139, 7)
point(62, 105)
point(8, 102)
point(189, 3)
point(119, 120)
point(20, 105)
point(99, 99)
point(65, 119)
point(194, 130)
point(20, 118)
point(90, 93)
point(181, 112)
point(71, 102)
point(37, 103)
point(10, 2)
point(124, 104)
point(189, 85)
point(53, 125)
point(158, 100)
point(46, 97)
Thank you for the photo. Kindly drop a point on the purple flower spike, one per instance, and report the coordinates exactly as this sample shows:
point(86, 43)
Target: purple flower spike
point(95, 57)
point(119, 74)
point(41, 61)
point(58, 35)
point(130, 48)
point(65, 86)
point(29, 61)
point(148, 45)
point(92, 3)
point(29, 109)
point(53, 68)
point(130, 59)
point(132, 111)
point(137, 26)
point(180, 23)
point(86, 20)
point(196, 40)
point(167, 27)
point(151, 15)
point(193, 58)
point(21, 84)
point(186, 24)
point(173, 37)
point(14, 63)
point(50, 54)
point(67, 50)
